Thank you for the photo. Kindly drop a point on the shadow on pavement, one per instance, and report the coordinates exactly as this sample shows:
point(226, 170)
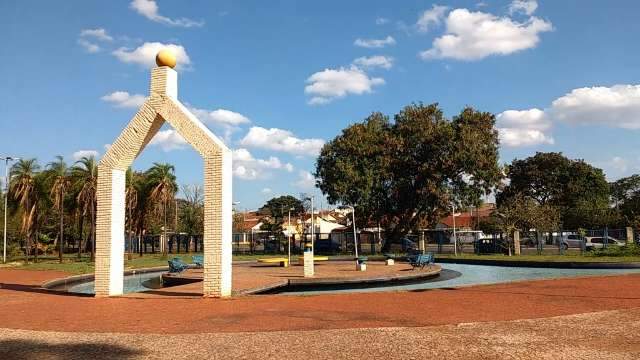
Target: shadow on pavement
point(32, 350)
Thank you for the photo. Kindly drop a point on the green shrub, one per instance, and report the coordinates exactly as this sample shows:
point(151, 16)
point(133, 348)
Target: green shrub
point(613, 250)
point(14, 251)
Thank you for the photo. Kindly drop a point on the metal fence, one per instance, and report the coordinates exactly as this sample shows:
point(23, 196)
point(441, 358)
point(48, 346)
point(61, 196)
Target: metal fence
point(371, 243)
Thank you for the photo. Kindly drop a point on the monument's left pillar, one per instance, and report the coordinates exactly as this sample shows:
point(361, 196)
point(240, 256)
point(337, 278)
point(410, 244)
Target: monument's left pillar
point(109, 232)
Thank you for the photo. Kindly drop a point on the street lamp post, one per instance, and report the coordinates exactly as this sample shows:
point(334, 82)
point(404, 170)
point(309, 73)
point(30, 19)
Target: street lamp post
point(355, 234)
point(455, 239)
point(289, 236)
point(312, 229)
point(6, 196)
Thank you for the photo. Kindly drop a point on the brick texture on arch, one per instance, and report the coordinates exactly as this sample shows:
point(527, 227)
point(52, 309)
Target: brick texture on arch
point(163, 106)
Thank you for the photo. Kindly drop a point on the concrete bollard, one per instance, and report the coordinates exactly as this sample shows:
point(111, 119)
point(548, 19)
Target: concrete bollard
point(308, 261)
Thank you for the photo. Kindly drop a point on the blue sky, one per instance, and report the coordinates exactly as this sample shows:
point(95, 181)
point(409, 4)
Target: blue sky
point(276, 79)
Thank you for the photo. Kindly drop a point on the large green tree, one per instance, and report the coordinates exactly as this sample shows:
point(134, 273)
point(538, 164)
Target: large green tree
point(407, 173)
point(578, 190)
point(277, 209)
point(625, 198)
point(192, 210)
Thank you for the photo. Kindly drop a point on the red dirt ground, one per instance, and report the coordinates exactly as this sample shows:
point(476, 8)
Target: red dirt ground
point(24, 306)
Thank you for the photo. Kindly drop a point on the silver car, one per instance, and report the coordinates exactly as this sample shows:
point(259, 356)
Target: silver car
point(571, 241)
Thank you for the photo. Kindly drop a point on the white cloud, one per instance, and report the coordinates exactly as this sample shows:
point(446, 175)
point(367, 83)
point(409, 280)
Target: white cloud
point(145, 54)
point(85, 153)
point(281, 140)
point(381, 21)
point(246, 167)
point(94, 34)
point(266, 191)
point(220, 116)
point(98, 34)
point(370, 62)
point(523, 128)
point(431, 18)
point(375, 43)
point(616, 106)
point(123, 99)
point(149, 9)
point(476, 35)
point(527, 7)
point(619, 164)
point(88, 46)
point(306, 180)
point(329, 84)
point(168, 140)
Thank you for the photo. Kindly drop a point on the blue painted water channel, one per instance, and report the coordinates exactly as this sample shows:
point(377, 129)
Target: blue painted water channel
point(452, 275)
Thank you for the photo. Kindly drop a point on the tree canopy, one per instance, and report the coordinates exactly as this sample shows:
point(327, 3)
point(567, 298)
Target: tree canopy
point(278, 207)
point(574, 187)
point(407, 173)
point(625, 197)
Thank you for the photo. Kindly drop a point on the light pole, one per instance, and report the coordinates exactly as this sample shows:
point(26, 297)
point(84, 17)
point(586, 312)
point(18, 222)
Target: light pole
point(289, 236)
point(312, 225)
point(236, 203)
point(455, 239)
point(6, 196)
point(313, 230)
point(355, 235)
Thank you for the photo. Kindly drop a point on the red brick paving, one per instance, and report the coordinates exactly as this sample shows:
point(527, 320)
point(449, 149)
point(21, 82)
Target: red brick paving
point(24, 306)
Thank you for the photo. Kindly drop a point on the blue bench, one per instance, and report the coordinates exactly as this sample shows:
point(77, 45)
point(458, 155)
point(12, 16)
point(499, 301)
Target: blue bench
point(198, 260)
point(176, 265)
point(421, 260)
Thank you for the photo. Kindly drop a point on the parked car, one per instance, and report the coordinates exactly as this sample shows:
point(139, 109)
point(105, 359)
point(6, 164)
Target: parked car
point(571, 241)
point(405, 245)
point(597, 242)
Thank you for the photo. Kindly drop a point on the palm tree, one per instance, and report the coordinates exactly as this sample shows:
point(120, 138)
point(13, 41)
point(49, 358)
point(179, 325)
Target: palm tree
point(85, 174)
point(162, 179)
point(132, 179)
point(23, 189)
point(59, 174)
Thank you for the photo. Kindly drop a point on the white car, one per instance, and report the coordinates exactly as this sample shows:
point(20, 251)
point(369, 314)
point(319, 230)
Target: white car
point(597, 242)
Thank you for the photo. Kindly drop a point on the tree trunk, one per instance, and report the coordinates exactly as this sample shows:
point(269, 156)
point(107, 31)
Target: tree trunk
point(129, 254)
point(90, 238)
point(140, 241)
point(61, 226)
point(165, 241)
point(81, 233)
point(36, 243)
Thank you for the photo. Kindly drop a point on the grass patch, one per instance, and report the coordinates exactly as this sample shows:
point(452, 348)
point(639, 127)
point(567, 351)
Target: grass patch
point(71, 264)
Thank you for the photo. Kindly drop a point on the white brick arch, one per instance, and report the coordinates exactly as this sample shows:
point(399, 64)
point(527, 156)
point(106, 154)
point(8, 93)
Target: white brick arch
point(163, 106)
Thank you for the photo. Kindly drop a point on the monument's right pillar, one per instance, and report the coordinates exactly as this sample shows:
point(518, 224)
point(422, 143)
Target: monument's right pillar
point(217, 224)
